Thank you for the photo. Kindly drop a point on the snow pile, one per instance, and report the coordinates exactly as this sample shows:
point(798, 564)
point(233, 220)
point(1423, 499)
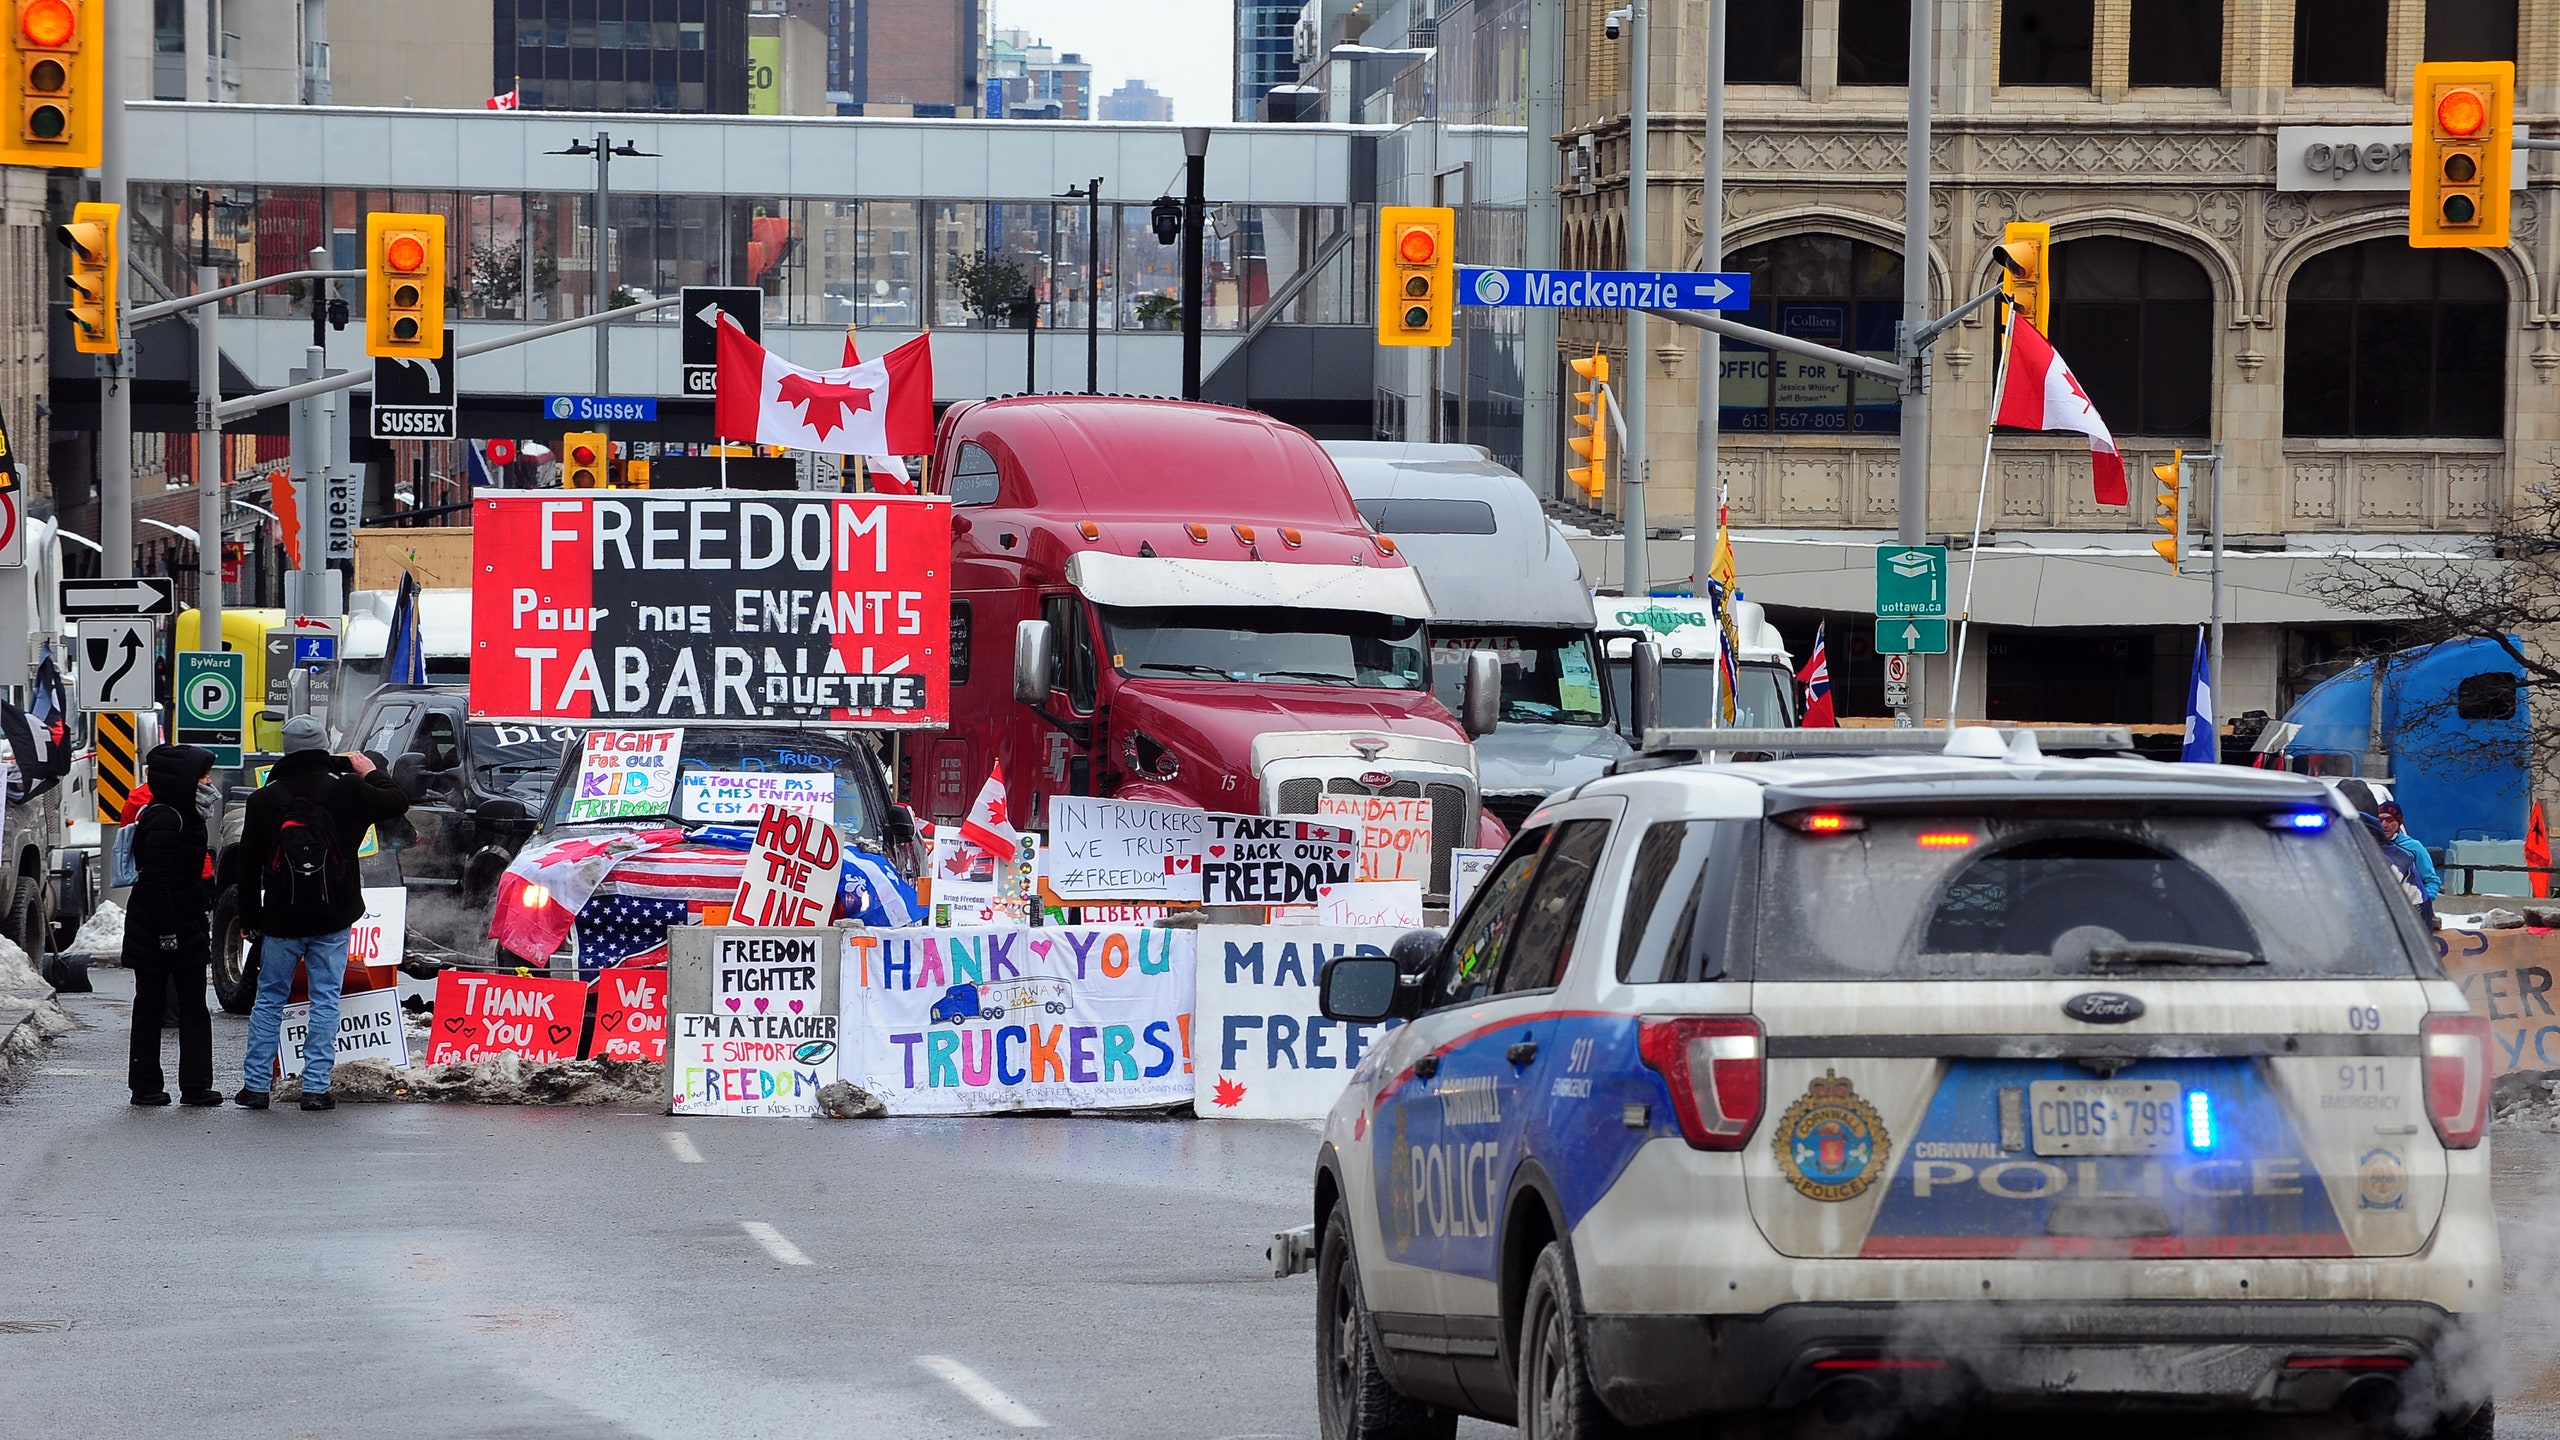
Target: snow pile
point(19, 973)
point(844, 1100)
point(498, 1080)
point(2528, 1100)
point(101, 934)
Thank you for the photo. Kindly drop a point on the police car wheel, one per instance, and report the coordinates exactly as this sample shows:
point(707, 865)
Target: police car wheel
point(1353, 1399)
point(1556, 1399)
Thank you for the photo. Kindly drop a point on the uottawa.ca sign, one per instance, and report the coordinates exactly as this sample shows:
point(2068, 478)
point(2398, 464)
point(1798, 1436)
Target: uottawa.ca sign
point(711, 605)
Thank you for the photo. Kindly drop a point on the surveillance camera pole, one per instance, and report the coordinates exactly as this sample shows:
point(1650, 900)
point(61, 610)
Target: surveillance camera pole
point(1195, 213)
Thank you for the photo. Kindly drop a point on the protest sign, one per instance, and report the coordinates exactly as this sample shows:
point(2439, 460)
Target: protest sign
point(2507, 976)
point(1083, 1017)
point(1396, 903)
point(1467, 869)
point(768, 974)
point(1274, 859)
point(1395, 833)
point(679, 606)
point(477, 1016)
point(732, 797)
point(1124, 850)
point(1267, 1051)
point(961, 871)
point(370, 1025)
point(790, 877)
point(751, 1064)
point(623, 773)
point(631, 1016)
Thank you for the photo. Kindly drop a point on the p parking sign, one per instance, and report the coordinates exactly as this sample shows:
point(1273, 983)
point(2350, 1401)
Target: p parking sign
point(211, 703)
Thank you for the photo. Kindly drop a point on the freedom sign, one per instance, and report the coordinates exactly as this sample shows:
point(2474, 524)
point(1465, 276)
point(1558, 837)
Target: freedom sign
point(698, 605)
point(1274, 859)
point(1269, 1052)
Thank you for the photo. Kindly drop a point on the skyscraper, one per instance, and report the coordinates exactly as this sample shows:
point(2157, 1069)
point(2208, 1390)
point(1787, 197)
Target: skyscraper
point(1262, 52)
point(678, 55)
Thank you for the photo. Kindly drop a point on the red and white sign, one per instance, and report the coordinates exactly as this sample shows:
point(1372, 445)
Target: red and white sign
point(1395, 833)
point(13, 535)
point(711, 606)
point(790, 878)
point(631, 1016)
point(500, 452)
point(477, 1016)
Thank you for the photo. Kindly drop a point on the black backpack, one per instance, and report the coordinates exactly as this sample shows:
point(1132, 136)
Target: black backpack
point(304, 867)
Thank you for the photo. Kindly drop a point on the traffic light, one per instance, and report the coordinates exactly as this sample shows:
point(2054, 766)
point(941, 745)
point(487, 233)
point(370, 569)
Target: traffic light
point(2173, 514)
point(404, 286)
point(55, 80)
point(2026, 246)
point(2461, 160)
point(1417, 274)
point(1592, 477)
point(584, 458)
point(91, 239)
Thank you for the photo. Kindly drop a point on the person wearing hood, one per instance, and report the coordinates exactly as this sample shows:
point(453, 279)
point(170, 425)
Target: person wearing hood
point(300, 891)
point(167, 936)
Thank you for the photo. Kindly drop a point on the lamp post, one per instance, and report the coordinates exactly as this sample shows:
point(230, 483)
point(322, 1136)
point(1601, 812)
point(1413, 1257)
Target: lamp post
point(600, 225)
point(1195, 213)
point(1091, 194)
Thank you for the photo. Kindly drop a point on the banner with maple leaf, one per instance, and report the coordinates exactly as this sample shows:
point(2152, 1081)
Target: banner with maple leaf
point(878, 407)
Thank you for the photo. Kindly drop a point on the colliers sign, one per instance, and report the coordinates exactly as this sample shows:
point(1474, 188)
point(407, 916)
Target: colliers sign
point(2351, 157)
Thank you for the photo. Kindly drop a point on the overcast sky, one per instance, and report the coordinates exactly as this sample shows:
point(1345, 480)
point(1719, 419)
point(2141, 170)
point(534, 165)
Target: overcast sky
point(1184, 48)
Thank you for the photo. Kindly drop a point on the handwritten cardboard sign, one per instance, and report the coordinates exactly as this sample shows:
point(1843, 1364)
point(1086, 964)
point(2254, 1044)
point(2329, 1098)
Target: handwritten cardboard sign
point(1395, 833)
point(726, 797)
point(790, 879)
point(370, 1025)
point(623, 773)
point(766, 974)
point(2507, 976)
point(1124, 850)
point(631, 1016)
point(1371, 902)
point(477, 1016)
point(1467, 869)
point(1266, 1051)
point(1274, 859)
point(751, 1064)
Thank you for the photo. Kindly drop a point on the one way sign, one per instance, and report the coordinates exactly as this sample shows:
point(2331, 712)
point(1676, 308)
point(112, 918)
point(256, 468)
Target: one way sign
point(414, 399)
point(138, 595)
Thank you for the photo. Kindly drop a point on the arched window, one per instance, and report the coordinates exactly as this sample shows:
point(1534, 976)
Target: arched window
point(1834, 291)
point(2136, 321)
point(2381, 339)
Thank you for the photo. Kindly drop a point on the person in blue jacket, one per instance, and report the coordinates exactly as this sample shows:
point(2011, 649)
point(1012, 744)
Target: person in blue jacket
point(2410, 858)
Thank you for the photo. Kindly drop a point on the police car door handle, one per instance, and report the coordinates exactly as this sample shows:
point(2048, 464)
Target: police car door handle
point(1521, 1052)
point(1426, 1067)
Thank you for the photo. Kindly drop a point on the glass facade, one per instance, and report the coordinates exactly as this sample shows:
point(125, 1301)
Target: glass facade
point(687, 56)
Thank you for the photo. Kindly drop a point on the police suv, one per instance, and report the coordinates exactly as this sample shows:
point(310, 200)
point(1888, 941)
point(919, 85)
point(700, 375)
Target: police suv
point(1834, 1091)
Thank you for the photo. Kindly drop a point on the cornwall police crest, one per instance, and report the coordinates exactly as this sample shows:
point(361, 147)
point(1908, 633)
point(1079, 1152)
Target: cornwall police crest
point(1831, 1145)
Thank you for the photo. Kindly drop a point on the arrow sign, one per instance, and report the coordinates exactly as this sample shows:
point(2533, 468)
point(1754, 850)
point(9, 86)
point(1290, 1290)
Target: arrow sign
point(703, 305)
point(115, 663)
point(139, 595)
point(1605, 289)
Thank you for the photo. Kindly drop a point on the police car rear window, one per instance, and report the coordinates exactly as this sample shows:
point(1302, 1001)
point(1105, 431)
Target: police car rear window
point(1989, 896)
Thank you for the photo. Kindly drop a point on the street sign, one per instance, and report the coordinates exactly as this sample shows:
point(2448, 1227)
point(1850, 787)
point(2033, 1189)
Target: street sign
point(13, 536)
point(1605, 289)
point(599, 409)
point(212, 703)
point(1911, 637)
point(140, 595)
point(119, 764)
point(314, 650)
point(702, 340)
point(115, 663)
point(1911, 581)
point(414, 399)
point(1897, 669)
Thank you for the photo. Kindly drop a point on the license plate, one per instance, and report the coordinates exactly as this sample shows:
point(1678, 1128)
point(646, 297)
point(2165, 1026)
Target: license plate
point(2104, 1117)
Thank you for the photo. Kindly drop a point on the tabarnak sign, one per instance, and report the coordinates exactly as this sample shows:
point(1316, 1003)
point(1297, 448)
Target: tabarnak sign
point(711, 606)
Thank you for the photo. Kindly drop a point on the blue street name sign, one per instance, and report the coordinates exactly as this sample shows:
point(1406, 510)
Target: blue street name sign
point(590, 408)
point(1605, 289)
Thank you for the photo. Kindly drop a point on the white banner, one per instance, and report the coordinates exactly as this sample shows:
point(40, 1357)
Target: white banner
point(1123, 850)
point(1082, 1017)
point(1266, 1051)
point(723, 797)
point(370, 1027)
point(750, 1064)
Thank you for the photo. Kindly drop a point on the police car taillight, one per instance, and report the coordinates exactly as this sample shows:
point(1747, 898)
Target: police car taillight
point(1712, 1066)
point(2456, 1050)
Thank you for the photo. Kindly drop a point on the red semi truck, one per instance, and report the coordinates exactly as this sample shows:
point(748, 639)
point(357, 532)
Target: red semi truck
point(1173, 602)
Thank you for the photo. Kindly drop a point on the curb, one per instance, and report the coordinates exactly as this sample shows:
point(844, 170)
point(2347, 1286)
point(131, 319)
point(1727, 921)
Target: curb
point(28, 1018)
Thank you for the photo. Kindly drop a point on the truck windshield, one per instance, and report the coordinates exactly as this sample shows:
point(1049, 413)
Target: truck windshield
point(1547, 675)
point(1766, 698)
point(504, 756)
point(1267, 644)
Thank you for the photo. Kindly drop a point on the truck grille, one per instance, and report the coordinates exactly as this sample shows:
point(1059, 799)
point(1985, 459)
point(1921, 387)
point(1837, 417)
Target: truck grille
point(1513, 810)
point(1452, 816)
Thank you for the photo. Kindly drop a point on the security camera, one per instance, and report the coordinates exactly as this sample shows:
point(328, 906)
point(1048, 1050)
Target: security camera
point(1616, 22)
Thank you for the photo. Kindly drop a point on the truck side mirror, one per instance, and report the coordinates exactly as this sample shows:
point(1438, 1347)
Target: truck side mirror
point(1480, 707)
point(1031, 643)
point(1644, 690)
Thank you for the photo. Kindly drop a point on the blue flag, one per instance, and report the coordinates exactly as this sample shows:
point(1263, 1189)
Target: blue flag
point(408, 657)
point(2204, 736)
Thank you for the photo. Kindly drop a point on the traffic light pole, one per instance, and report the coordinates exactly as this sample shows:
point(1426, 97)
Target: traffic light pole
point(1631, 455)
point(1709, 486)
point(210, 479)
point(115, 380)
point(1911, 502)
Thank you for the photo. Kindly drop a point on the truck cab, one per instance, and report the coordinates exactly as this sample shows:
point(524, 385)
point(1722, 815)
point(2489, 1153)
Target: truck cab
point(2444, 724)
point(1683, 631)
point(1179, 603)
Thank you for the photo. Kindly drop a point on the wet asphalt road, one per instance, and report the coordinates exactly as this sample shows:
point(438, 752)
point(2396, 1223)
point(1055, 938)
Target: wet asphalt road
point(467, 1271)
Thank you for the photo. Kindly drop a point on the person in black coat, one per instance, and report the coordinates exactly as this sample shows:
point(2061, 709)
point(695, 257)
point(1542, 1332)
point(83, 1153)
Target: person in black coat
point(168, 925)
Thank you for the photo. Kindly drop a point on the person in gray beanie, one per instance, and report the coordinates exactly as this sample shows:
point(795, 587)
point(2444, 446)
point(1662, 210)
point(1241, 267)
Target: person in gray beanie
point(300, 892)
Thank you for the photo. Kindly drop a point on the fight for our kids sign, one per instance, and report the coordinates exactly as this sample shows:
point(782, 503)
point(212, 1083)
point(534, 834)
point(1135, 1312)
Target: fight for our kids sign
point(1267, 1052)
point(624, 773)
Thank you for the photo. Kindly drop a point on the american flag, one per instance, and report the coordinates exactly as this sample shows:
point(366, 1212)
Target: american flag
point(629, 931)
point(686, 870)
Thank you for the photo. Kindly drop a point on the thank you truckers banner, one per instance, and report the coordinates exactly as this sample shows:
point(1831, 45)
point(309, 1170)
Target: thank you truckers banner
point(673, 606)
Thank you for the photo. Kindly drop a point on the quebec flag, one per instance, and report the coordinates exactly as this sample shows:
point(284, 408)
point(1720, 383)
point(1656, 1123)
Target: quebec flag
point(2204, 737)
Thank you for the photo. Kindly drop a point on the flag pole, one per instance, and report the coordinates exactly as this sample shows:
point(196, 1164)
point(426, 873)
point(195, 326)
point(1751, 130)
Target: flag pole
point(1981, 492)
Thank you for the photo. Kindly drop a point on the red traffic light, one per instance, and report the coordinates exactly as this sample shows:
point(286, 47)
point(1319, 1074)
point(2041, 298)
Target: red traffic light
point(1417, 246)
point(405, 253)
point(583, 454)
point(2462, 112)
point(49, 23)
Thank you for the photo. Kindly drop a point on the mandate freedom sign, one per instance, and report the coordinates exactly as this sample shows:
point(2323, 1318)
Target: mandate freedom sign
point(710, 605)
point(1269, 1052)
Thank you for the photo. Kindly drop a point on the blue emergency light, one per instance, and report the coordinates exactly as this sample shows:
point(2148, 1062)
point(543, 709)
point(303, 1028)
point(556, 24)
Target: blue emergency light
point(2304, 820)
point(2200, 1133)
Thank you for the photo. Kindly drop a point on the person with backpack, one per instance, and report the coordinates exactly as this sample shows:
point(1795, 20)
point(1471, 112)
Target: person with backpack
point(300, 892)
point(167, 940)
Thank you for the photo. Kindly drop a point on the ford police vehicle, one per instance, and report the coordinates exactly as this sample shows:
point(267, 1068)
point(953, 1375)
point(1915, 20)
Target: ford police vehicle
point(1849, 1089)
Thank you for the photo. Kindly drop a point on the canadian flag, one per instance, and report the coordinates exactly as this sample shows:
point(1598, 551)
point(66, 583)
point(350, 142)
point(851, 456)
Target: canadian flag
point(882, 407)
point(987, 828)
point(888, 472)
point(512, 100)
point(2043, 394)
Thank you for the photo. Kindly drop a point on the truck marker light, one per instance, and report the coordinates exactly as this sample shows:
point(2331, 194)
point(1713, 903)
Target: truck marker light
point(1385, 545)
point(2200, 1132)
point(1291, 538)
point(1944, 840)
point(1088, 530)
point(1243, 533)
point(1198, 532)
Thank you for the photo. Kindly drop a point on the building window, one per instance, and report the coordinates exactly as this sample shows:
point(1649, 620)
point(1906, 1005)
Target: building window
point(2176, 43)
point(2383, 340)
point(1875, 42)
point(1832, 290)
point(2471, 29)
point(1764, 43)
point(2046, 42)
point(2137, 322)
point(2340, 42)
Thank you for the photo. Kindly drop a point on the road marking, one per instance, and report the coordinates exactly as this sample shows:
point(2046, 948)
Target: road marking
point(72, 1070)
point(682, 1144)
point(1002, 1407)
point(775, 1243)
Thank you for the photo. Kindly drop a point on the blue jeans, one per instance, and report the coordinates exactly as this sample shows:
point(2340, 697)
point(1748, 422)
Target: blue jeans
point(324, 962)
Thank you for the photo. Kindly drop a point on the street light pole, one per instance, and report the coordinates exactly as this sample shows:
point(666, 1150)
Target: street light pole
point(1702, 549)
point(1091, 195)
point(1912, 493)
point(1195, 218)
point(604, 250)
point(1634, 469)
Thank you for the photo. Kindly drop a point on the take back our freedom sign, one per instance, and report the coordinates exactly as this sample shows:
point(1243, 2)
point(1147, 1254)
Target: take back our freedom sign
point(711, 605)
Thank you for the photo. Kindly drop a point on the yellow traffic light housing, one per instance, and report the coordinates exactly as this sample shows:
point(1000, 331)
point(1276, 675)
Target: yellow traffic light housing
point(1417, 274)
point(1592, 476)
point(404, 286)
point(54, 78)
point(2173, 515)
point(2028, 248)
point(2463, 154)
point(92, 240)
point(585, 457)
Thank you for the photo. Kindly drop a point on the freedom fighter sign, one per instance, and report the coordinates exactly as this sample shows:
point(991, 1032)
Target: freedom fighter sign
point(704, 605)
